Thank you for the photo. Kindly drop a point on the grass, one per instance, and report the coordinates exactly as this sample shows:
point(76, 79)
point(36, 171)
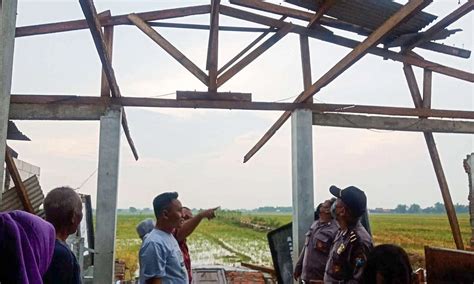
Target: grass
point(234, 237)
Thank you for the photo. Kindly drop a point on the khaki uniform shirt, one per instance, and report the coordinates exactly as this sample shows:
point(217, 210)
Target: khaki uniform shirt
point(315, 252)
point(348, 255)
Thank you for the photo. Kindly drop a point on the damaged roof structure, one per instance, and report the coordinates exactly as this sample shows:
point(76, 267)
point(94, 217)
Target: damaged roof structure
point(390, 30)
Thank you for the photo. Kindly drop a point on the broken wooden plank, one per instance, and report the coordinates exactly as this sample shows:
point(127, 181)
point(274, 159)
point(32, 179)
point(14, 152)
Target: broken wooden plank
point(169, 48)
point(254, 54)
point(222, 96)
point(19, 186)
point(92, 19)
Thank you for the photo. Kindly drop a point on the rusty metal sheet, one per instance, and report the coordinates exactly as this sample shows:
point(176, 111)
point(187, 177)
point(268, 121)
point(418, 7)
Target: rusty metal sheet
point(11, 201)
point(449, 266)
point(370, 14)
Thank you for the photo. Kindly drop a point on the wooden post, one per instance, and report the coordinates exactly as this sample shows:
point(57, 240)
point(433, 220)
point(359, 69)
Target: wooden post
point(7, 42)
point(430, 142)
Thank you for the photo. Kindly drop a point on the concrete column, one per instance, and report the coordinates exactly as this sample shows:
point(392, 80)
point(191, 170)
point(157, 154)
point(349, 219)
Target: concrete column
point(7, 42)
point(107, 191)
point(302, 176)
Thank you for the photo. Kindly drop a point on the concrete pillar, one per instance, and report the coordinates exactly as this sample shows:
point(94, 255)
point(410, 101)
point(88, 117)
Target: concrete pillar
point(107, 191)
point(302, 176)
point(7, 42)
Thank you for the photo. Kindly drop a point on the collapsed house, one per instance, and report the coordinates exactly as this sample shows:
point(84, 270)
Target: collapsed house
point(389, 30)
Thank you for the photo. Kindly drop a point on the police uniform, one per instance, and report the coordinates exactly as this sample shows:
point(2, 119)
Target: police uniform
point(348, 255)
point(313, 258)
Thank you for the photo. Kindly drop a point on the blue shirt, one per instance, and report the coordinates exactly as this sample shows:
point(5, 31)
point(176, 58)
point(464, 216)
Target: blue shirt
point(160, 257)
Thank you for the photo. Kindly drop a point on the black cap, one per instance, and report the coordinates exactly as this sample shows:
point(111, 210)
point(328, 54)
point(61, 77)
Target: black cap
point(353, 197)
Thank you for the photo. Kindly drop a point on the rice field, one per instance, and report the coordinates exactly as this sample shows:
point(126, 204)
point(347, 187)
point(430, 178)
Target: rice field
point(233, 237)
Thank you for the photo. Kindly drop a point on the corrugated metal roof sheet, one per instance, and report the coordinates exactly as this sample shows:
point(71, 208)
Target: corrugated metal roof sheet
point(10, 200)
point(370, 14)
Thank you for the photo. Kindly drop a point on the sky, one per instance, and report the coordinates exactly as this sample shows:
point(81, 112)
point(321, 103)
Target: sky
point(199, 153)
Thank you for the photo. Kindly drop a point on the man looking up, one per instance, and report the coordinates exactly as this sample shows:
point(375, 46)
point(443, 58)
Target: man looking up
point(190, 224)
point(161, 261)
point(352, 245)
point(319, 238)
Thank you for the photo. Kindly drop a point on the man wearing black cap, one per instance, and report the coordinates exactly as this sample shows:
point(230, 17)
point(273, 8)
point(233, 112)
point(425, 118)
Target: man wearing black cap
point(348, 255)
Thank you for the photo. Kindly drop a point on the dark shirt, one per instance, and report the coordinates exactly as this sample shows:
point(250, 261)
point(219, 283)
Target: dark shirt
point(348, 255)
point(313, 258)
point(64, 268)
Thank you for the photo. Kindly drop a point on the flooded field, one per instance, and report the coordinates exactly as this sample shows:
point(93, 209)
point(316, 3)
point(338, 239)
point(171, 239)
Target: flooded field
point(233, 238)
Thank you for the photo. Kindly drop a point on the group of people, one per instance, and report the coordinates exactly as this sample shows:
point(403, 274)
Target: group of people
point(33, 250)
point(338, 249)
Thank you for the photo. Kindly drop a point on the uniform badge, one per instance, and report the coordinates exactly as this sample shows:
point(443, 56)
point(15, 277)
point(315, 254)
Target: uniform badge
point(359, 262)
point(341, 249)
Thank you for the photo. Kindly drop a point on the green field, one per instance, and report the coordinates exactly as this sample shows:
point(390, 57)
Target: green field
point(233, 237)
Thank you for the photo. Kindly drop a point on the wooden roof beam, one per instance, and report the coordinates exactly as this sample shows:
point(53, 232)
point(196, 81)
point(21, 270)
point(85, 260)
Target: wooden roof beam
point(323, 9)
point(248, 47)
point(39, 107)
point(360, 50)
point(350, 43)
point(393, 123)
point(113, 21)
point(441, 25)
point(213, 46)
point(92, 19)
point(169, 48)
point(237, 67)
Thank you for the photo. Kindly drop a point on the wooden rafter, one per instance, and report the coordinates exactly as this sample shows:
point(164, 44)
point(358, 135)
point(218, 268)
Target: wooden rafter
point(248, 47)
point(213, 46)
point(427, 86)
point(282, 32)
point(433, 150)
point(441, 25)
point(320, 13)
point(109, 42)
point(115, 20)
point(404, 13)
point(169, 48)
point(350, 43)
point(19, 186)
point(53, 102)
point(330, 22)
point(92, 19)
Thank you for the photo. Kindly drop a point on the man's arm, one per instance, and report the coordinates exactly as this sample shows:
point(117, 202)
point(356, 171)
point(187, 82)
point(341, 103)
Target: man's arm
point(299, 265)
point(154, 281)
point(190, 225)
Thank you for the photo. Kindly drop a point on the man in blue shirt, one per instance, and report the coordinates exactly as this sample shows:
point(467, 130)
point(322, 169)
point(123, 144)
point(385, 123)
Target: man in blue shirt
point(160, 257)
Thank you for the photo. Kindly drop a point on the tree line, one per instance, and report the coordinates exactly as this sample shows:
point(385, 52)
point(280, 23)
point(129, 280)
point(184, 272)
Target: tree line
point(436, 208)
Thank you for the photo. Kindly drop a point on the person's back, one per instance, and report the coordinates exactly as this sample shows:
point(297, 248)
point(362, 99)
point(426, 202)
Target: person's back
point(64, 267)
point(160, 257)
